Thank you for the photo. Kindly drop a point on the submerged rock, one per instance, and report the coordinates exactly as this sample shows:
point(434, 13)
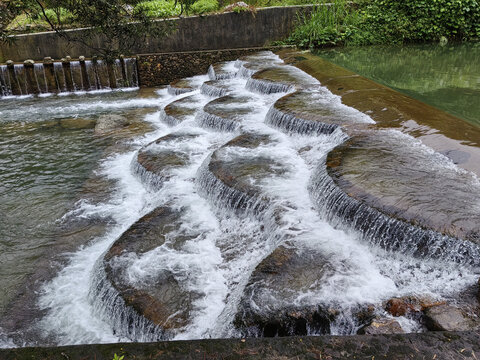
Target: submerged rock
point(110, 122)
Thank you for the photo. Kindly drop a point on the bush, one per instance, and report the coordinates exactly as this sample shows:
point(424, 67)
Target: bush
point(388, 22)
point(158, 8)
point(59, 16)
point(204, 6)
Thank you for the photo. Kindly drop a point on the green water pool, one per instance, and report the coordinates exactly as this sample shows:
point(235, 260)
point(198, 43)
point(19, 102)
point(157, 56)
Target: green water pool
point(446, 77)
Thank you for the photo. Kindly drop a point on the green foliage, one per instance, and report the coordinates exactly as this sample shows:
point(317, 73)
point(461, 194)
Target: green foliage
point(388, 22)
point(170, 8)
point(158, 8)
point(328, 25)
point(204, 6)
point(116, 357)
point(56, 16)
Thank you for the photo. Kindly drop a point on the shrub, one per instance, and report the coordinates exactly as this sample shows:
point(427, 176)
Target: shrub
point(204, 6)
point(388, 22)
point(158, 8)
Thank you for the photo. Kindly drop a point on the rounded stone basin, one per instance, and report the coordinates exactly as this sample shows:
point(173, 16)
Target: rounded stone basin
point(312, 113)
point(222, 70)
point(154, 161)
point(268, 306)
point(235, 173)
point(225, 113)
point(161, 301)
point(215, 88)
point(179, 110)
point(402, 195)
point(182, 86)
point(280, 79)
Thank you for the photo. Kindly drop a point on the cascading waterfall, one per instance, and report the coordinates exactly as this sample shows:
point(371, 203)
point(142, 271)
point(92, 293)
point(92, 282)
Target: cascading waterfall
point(67, 76)
point(244, 183)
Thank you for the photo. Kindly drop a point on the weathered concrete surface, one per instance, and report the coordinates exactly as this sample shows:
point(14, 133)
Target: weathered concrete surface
point(433, 345)
point(217, 31)
point(443, 132)
point(163, 68)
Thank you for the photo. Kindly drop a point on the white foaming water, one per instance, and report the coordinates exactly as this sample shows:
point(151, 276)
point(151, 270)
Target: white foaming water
point(223, 250)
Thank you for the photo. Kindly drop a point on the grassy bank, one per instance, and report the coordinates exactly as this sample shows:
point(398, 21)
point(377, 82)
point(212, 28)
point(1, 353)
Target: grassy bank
point(368, 22)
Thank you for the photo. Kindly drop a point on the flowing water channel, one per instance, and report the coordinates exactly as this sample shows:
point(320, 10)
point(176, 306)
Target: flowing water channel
point(206, 215)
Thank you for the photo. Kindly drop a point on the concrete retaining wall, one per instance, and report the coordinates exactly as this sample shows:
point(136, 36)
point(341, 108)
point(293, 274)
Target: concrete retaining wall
point(219, 31)
point(430, 345)
point(162, 69)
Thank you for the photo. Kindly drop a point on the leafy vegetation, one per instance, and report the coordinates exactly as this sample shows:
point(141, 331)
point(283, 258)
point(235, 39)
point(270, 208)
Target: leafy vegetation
point(204, 6)
point(158, 8)
point(388, 22)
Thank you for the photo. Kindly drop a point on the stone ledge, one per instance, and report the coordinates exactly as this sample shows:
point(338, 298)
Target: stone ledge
point(432, 345)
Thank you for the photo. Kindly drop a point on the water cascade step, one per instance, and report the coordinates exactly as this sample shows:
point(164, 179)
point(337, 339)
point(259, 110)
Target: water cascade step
point(180, 110)
point(215, 88)
point(280, 79)
point(226, 113)
point(268, 305)
point(233, 174)
point(311, 113)
point(148, 309)
point(222, 71)
point(183, 86)
point(401, 195)
point(154, 161)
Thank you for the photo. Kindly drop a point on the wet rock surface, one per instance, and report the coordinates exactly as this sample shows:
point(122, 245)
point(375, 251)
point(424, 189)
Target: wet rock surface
point(438, 345)
point(239, 176)
point(448, 318)
point(155, 161)
point(221, 71)
point(180, 110)
point(382, 326)
point(161, 299)
point(280, 79)
point(267, 307)
point(110, 122)
point(181, 86)
point(313, 112)
point(215, 88)
point(226, 113)
point(405, 180)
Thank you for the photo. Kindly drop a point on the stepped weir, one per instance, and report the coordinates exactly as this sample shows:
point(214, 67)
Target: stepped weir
point(267, 208)
point(66, 75)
